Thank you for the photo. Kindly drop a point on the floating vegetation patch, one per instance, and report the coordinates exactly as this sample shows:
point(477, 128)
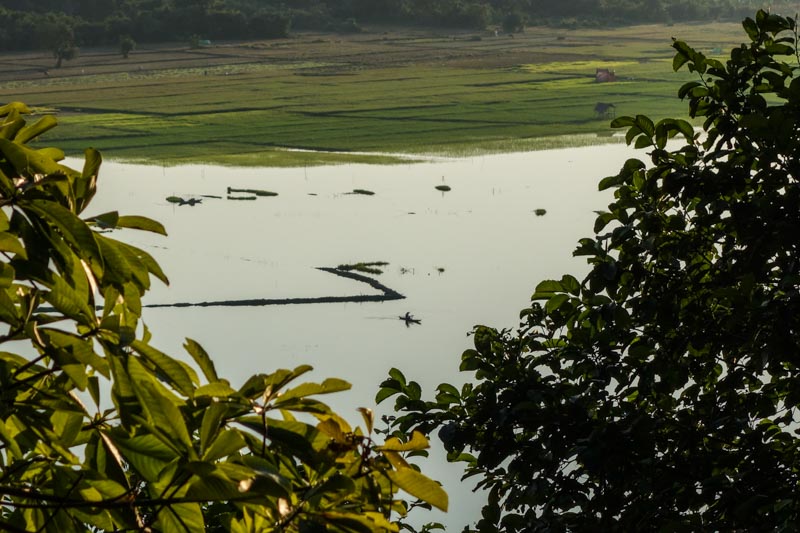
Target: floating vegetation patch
point(443, 188)
point(233, 194)
point(257, 192)
point(367, 268)
point(184, 201)
point(362, 191)
point(540, 212)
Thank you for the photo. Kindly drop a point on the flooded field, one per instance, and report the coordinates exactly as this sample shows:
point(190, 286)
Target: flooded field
point(470, 255)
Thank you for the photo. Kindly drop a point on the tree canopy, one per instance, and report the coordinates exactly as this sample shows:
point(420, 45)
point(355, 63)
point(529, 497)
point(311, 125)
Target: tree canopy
point(661, 391)
point(101, 431)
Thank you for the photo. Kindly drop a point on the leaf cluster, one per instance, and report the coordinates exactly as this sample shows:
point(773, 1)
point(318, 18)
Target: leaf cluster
point(101, 430)
point(661, 392)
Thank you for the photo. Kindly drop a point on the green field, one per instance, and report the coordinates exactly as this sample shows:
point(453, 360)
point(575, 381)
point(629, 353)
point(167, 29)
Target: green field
point(317, 99)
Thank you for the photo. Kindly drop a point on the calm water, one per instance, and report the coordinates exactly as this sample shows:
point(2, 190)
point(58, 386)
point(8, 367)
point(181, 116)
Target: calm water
point(469, 256)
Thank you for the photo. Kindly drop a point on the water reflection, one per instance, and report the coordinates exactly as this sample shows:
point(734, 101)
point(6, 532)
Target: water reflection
point(467, 256)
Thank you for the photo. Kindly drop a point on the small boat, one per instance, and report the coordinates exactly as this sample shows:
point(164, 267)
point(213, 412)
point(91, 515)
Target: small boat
point(409, 319)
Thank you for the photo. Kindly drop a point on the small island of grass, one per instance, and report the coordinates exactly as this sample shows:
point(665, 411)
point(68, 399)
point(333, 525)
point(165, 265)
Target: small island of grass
point(257, 192)
point(367, 268)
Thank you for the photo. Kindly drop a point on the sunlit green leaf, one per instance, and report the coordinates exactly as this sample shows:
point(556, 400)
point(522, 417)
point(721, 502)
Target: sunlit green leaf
point(307, 389)
point(142, 223)
point(7, 277)
point(39, 127)
point(52, 153)
point(420, 486)
point(172, 370)
point(135, 254)
point(18, 107)
point(163, 414)
point(202, 359)
point(97, 490)
point(146, 453)
point(70, 302)
point(29, 162)
point(9, 441)
point(224, 444)
point(359, 522)
point(74, 230)
point(385, 392)
point(555, 302)
point(545, 289)
point(70, 349)
point(180, 517)
point(105, 220)
point(12, 124)
point(84, 185)
point(418, 441)
point(218, 389)
point(213, 419)
point(9, 243)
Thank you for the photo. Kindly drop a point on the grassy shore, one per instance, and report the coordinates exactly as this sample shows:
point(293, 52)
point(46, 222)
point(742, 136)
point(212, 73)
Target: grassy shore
point(316, 99)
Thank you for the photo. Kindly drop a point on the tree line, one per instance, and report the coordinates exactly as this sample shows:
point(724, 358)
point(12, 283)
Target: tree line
point(48, 24)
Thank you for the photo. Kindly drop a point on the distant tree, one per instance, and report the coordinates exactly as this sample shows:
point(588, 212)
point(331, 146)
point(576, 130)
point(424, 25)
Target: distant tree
point(101, 431)
point(661, 392)
point(65, 51)
point(126, 45)
point(53, 31)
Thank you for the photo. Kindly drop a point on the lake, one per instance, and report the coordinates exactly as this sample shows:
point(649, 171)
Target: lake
point(472, 255)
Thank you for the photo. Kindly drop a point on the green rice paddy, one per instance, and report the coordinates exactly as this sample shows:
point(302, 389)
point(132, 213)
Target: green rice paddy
point(363, 98)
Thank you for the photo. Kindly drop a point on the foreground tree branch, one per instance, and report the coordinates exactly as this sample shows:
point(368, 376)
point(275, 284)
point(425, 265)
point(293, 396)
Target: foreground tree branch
point(180, 449)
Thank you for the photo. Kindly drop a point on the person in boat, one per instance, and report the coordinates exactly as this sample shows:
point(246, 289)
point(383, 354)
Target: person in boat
point(190, 201)
point(409, 318)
